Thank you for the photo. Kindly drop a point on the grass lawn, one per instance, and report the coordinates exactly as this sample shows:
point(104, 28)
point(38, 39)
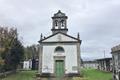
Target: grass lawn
point(23, 75)
point(89, 74)
point(92, 74)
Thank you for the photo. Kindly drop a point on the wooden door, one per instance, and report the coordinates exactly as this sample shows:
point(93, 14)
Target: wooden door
point(59, 68)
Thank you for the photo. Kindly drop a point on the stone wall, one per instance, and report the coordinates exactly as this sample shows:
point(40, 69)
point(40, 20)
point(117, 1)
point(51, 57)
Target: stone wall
point(116, 62)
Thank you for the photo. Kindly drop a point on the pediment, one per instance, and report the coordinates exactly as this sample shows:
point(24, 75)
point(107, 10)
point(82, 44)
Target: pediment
point(59, 37)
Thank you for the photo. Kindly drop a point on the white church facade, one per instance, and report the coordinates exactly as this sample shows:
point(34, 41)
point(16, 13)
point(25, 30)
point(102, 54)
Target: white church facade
point(59, 53)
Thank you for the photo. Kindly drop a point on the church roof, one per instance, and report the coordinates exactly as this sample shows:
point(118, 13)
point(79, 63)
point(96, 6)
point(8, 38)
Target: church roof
point(60, 33)
point(59, 14)
point(109, 58)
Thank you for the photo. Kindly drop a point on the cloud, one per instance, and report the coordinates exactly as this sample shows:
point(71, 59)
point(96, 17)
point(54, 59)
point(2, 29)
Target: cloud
point(97, 21)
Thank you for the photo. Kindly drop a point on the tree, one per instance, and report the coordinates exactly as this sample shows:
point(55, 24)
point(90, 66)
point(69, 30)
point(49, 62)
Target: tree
point(13, 49)
point(31, 52)
point(15, 56)
point(7, 37)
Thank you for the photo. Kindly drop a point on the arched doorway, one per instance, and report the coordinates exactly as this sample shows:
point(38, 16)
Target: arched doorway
point(59, 62)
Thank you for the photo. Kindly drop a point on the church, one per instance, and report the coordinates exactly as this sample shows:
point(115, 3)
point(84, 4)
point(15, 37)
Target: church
point(59, 53)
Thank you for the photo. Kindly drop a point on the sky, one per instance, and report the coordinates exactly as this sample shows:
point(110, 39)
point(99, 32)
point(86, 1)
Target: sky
point(97, 21)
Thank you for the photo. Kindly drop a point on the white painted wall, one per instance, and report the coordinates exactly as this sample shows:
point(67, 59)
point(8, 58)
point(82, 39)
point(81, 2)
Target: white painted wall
point(91, 65)
point(27, 65)
point(70, 59)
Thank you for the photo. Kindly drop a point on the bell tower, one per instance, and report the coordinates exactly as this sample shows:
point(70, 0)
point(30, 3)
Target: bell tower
point(59, 23)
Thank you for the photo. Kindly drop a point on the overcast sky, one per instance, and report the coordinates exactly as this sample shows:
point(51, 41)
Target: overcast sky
point(97, 21)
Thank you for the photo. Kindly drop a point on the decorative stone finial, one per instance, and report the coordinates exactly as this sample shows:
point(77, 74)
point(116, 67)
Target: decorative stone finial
point(44, 37)
point(78, 35)
point(41, 36)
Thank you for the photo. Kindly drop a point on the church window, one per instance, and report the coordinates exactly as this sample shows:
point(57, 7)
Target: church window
point(59, 49)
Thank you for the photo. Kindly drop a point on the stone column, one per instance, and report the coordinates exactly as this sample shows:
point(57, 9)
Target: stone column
point(40, 59)
point(78, 57)
point(59, 23)
point(65, 24)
